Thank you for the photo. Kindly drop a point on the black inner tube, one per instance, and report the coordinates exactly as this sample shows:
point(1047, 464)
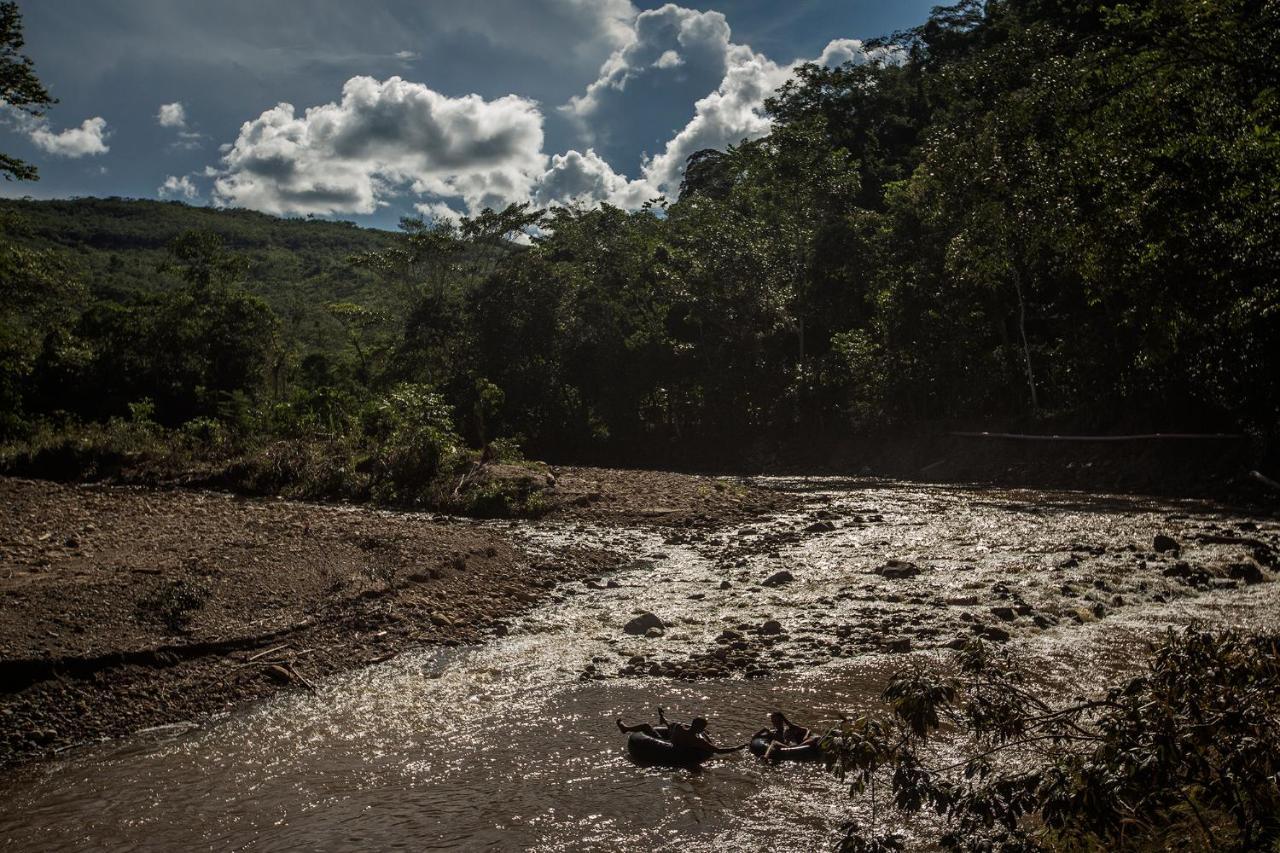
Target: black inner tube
point(649, 750)
point(799, 752)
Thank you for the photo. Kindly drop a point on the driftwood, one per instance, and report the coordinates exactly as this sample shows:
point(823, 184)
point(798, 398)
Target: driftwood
point(263, 654)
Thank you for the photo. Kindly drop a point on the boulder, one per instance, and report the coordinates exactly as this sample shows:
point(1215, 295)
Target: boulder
point(1247, 572)
point(898, 570)
point(1164, 544)
point(772, 627)
point(779, 578)
point(641, 624)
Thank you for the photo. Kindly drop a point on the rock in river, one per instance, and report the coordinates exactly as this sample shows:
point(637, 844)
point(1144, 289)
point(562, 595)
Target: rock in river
point(1247, 572)
point(1163, 544)
point(779, 578)
point(995, 634)
point(640, 625)
point(898, 570)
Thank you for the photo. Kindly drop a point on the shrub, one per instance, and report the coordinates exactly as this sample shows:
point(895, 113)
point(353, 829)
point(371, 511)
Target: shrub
point(411, 430)
point(1184, 756)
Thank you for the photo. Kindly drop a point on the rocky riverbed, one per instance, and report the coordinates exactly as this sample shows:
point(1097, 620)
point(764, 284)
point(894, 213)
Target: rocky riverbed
point(458, 688)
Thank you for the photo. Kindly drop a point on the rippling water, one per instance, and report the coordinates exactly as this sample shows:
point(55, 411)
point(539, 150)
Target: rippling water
point(503, 746)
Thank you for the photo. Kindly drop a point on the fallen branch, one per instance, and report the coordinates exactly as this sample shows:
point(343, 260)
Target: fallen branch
point(267, 652)
point(293, 670)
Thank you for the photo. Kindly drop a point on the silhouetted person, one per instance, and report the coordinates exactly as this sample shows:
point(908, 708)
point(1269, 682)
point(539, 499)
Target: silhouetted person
point(691, 738)
point(783, 734)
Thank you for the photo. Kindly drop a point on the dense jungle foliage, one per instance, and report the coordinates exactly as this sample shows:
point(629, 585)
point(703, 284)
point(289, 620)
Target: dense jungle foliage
point(1042, 213)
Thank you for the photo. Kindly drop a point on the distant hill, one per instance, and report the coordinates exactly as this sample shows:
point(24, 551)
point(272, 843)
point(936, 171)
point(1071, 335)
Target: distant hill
point(116, 245)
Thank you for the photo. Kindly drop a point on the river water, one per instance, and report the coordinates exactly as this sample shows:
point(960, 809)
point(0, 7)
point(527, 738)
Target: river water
point(512, 744)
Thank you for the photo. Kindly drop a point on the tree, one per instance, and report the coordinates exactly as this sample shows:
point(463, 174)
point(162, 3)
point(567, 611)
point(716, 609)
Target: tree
point(200, 259)
point(361, 326)
point(20, 89)
point(38, 303)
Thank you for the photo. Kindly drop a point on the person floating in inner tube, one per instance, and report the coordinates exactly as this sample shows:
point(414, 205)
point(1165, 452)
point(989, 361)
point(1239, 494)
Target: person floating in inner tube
point(692, 737)
point(785, 735)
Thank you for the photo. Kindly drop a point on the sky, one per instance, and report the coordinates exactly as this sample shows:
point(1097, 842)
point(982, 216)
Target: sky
point(374, 110)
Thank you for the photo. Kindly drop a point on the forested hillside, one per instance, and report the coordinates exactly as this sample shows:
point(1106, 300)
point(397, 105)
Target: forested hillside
point(119, 247)
point(1040, 215)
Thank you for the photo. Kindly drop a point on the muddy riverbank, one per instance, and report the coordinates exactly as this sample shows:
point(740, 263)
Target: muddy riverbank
point(124, 608)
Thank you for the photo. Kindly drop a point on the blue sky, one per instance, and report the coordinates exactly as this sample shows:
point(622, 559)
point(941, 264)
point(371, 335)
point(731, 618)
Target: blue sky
point(368, 111)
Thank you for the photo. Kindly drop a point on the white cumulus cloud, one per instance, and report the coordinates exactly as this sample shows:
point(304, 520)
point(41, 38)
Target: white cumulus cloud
point(670, 38)
point(669, 59)
point(693, 38)
point(557, 30)
point(178, 187)
point(586, 179)
point(438, 210)
point(87, 139)
point(172, 115)
point(382, 138)
point(386, 138)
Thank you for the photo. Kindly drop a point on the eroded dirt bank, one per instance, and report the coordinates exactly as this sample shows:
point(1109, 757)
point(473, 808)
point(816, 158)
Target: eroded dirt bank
point(124, 608)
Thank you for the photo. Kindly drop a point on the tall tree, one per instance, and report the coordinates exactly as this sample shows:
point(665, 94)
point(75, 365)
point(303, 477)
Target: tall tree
point(20, 88)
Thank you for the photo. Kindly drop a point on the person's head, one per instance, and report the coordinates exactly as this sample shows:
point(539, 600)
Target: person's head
point(778, 720)
point(697, 724)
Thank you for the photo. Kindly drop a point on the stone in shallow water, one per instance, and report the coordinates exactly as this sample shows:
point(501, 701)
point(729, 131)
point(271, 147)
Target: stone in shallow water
point(898, 570)
point(641, 624)
point(779, 578)
point(996, 634)
point(1247, 572)
point(771, 627)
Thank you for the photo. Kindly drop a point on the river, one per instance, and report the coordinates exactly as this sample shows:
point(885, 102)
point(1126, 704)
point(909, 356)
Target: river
point(512, 744)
